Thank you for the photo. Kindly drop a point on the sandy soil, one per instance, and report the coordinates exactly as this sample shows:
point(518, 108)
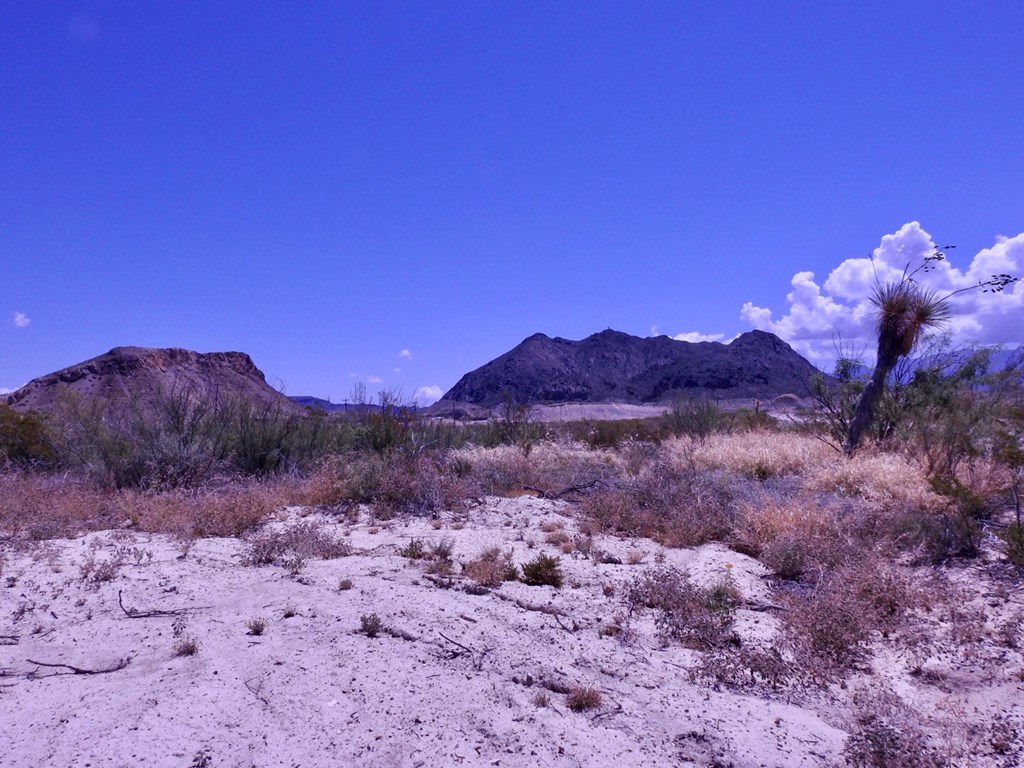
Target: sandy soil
point(460, 678)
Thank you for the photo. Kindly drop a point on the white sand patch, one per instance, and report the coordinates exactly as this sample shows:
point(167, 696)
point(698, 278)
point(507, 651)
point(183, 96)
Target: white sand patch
point(456, 682)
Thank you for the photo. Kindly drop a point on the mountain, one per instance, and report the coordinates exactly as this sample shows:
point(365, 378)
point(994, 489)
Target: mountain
point(615, 367)
point(144, 373)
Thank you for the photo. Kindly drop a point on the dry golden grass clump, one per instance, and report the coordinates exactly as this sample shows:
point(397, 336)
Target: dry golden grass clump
point(889, 480)
point(404, 483)
point(549, 466)
point(582, 698)
point(40, 507)
point(49, 506)
point(227, 511)
point(491, 567)
point(791, 534)
point(322, 486)
point(757, 454)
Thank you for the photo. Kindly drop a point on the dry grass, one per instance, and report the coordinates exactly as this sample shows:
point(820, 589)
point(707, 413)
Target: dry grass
point(758, 454)
point(38, 507)
point(491, 567)
point(676, 506)
point(889, 481)
point(700, 618)
point(185, 646)
point(582, 698)
point(791, 534)
point(549, 466)
point(294, 545)
point(227, 511)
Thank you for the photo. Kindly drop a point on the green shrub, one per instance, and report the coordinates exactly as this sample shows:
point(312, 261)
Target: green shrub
point(543, 570)
point(694, 418)
point(25, 440)
point(1013, 543)
point(371, 625)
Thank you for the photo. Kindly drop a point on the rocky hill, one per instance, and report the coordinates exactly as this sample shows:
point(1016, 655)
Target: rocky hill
point(144, 373)
point(615, 367)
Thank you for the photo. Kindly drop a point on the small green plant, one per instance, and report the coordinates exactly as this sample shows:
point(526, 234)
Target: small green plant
point(256, 625)
point(723, 597)
point(582, 698)
point(543, 570)
point(344, 585)
point(371, 625)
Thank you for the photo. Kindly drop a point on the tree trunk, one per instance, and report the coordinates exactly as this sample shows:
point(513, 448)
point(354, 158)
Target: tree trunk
point(866, 405)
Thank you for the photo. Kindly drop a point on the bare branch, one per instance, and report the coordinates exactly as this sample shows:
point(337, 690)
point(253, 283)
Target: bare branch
point(134, 613)
point(81, 670)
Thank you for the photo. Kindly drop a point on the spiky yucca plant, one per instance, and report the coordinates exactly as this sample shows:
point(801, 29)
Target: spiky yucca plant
point(905, 311)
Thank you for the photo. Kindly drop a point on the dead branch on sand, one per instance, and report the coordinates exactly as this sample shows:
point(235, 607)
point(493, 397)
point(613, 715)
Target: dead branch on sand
point(568, 491)
point(77, 670)
point(134, 613)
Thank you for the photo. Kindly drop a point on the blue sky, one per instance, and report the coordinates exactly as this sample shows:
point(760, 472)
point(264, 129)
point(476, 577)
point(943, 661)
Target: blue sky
point(396, 193)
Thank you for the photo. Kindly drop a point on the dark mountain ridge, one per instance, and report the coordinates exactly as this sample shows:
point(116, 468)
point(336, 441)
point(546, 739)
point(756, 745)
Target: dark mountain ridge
point(145, 374)
point(612, 366)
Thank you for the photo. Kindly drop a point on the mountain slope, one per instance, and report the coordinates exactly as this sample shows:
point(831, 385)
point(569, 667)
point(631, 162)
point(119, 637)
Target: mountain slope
point(615, 367)
point(143, 373)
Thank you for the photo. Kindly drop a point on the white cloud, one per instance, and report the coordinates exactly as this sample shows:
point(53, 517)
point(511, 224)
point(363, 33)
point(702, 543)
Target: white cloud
point(405, 354)
point(5, 391)
point(427, 395)
point(21, 320)
point(840, 308)
point(694, 336)
point(369, 379)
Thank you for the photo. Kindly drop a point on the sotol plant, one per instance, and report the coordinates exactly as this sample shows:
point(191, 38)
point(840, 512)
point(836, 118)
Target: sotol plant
point(905, 311)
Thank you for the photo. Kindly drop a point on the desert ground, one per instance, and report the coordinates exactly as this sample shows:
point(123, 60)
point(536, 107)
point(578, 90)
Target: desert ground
point(125, 648)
